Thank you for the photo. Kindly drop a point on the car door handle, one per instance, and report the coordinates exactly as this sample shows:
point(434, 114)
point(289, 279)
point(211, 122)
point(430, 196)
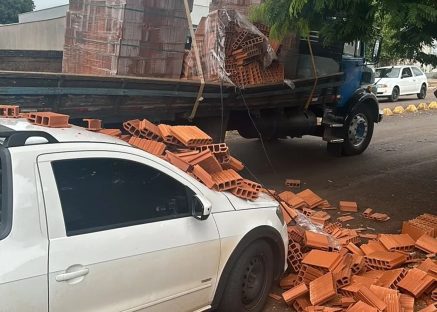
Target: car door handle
point(69, 276)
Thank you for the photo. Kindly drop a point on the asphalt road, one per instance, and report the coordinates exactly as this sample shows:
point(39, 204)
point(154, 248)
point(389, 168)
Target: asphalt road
point(396, 175)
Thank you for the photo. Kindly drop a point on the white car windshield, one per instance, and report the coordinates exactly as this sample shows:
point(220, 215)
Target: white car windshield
point(387, 72)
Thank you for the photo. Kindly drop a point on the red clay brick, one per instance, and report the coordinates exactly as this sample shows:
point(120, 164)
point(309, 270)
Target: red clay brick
point(354, 249)
point(385, 260)
point(150, 130)
point(311, 199)
point(51, 120)
point(322, 259)
point(366, 295)
point(348, 206)
point(292, 294)
point(427, 244)
point(94, 124)
point(316, 240)
point(167, 135)
point(226, 180)
point(152, 147)
point(206, 160)
point(133, 127)
point(322, 289)
point(416, 282)
point(191, 136)
point(175, 160)
point(9, 111)
point(391, 278)
point(204, 176)
point(245, 191)
point(397, 242)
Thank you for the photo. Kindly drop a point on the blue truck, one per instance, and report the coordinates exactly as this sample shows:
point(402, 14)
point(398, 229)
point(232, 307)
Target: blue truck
point(338, 104)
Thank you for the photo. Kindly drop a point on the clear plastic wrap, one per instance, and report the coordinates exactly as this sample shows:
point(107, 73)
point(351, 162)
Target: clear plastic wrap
point(234, 50)
point(306, 223)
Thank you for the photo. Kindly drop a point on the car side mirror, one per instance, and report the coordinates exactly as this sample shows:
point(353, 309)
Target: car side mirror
point(201, 207)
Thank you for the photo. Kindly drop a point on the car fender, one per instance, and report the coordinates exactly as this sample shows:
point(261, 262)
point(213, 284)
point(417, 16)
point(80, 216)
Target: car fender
point(234, 244)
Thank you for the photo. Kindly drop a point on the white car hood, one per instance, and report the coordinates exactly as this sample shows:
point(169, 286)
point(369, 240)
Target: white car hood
point(264, 201)
point(386, 81)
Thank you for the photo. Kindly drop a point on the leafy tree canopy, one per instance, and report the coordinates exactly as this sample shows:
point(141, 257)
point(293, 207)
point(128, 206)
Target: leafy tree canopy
point(9, 10)
point(406, 25)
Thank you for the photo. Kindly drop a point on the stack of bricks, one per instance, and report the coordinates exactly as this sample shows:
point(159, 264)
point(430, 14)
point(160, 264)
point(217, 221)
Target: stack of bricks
point(125, 37)
point(232, 49)
point(192, 151)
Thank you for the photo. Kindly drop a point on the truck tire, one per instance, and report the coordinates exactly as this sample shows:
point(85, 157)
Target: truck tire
point(395, 94)
point(250, 280)
point(358, 131)
point(422, 93)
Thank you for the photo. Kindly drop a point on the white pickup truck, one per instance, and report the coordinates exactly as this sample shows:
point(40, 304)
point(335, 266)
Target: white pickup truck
point(89, 223)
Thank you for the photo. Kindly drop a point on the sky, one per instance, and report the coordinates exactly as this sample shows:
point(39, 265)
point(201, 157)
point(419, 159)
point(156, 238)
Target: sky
point(43, 4)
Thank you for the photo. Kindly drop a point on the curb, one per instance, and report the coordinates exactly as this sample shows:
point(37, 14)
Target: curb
point(398, 110)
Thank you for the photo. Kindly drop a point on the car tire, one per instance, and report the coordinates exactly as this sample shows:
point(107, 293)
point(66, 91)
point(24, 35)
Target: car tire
point(250, 280)
point(358, 131)
point(422, 93)
point(394, 94)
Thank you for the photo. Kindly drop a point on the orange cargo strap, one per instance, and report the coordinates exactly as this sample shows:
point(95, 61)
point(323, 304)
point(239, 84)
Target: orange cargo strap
point(198, 61)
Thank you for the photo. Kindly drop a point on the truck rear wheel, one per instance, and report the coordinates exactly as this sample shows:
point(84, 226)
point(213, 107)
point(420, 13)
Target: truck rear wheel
point(358, 131)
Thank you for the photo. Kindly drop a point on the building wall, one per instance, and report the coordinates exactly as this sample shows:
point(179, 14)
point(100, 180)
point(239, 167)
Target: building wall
point(41, 15)
point(45, 35)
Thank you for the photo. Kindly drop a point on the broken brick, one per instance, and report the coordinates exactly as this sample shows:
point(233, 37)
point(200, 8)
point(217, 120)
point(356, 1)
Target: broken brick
point(416, 282)
point(427, 244)
point(311, 199)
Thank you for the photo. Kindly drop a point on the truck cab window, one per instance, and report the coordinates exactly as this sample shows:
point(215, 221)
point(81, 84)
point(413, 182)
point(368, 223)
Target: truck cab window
point(102, 193)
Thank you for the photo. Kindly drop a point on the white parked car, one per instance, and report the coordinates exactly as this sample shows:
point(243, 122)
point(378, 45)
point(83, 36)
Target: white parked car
point(89, 223)
point(394, 81)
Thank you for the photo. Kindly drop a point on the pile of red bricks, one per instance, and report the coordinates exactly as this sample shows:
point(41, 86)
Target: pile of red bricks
point(230, 47)
point(191, 150)
point(122, 37)
point(332, 269)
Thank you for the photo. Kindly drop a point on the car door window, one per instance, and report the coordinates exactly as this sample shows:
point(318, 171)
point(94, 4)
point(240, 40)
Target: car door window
point(104, 193)
point(417, 71)
point(406, 72)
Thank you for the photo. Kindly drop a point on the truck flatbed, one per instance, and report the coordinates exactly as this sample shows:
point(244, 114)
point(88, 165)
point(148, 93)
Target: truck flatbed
point(115, 99)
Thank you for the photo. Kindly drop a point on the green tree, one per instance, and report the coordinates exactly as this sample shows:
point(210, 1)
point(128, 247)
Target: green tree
point(9, 10)
point(406, 25)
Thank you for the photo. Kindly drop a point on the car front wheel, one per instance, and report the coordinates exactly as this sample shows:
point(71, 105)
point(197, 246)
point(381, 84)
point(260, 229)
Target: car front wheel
point(394, 94)
point(422, 93)
point(250, 280)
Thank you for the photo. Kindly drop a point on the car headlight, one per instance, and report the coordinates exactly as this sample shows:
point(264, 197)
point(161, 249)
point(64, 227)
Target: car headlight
point(382, 86)
point(280, 214)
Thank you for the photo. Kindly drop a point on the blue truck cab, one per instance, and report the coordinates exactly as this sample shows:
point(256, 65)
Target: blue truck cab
point(349, 126)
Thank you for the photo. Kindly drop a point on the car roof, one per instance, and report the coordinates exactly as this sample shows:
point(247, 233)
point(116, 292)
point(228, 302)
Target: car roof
point(62, 135)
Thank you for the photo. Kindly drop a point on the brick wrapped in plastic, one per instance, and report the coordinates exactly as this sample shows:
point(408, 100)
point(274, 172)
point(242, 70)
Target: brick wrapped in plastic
point(233, 50)
point(125, 37)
